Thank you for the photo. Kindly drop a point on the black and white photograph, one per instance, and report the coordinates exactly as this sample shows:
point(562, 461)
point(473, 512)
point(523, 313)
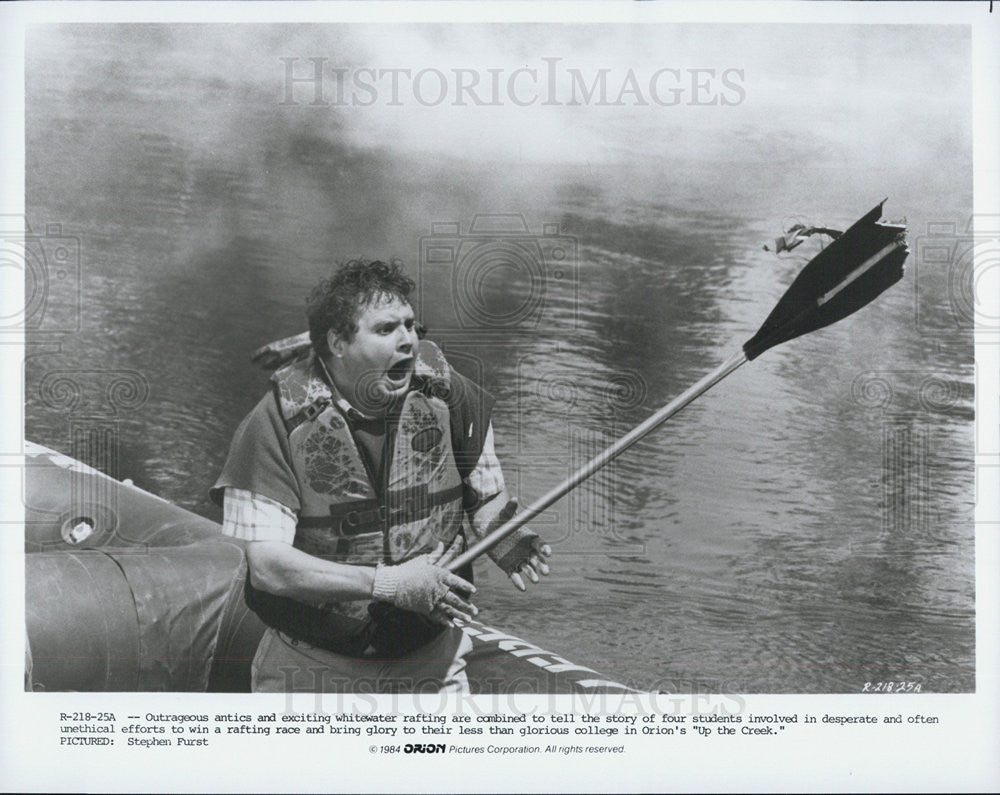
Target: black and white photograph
point(571, 391)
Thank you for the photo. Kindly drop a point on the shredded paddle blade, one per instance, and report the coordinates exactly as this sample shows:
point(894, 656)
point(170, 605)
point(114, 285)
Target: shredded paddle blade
point(852, 271)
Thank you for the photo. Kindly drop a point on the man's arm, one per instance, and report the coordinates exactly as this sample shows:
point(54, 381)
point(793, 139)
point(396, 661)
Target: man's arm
point(275, 566)
point(421, 584)
point(283, 570)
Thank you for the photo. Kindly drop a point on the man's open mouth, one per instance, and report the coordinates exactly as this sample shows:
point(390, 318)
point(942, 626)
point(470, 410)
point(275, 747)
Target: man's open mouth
point(398, 372)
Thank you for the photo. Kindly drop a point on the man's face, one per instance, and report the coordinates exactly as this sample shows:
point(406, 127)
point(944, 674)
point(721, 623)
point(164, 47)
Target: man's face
point(376, 366)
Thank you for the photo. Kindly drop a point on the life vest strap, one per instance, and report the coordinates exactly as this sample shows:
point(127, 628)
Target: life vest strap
point(308, 413)
point(369, 515)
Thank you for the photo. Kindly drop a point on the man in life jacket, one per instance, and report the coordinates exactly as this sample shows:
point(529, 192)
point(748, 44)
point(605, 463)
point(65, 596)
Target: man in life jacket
point(356, 480)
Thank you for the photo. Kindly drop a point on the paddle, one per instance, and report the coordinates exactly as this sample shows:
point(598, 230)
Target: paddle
point(852, 271)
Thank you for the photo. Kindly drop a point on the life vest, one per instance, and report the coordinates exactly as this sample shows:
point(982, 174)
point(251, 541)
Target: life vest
point(341, 518)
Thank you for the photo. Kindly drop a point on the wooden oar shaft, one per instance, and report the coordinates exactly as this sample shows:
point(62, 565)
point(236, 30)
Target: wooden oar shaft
point(600, 460)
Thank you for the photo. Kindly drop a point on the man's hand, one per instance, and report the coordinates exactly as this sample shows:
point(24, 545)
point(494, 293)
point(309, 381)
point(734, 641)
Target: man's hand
point(534, 565)
point(424, 586)
point(522, 553)
point(452, 607)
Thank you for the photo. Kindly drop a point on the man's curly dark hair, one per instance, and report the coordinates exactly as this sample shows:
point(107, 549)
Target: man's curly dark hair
point(335, 303)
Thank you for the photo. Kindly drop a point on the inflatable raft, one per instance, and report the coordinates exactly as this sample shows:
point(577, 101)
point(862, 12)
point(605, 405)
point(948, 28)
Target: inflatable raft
point(128, 592)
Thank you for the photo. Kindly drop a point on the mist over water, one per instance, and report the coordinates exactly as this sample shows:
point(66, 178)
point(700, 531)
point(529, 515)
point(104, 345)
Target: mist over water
point(806, 526)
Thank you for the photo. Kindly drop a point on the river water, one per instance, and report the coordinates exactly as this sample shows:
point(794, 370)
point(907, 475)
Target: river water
point(805, 527)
